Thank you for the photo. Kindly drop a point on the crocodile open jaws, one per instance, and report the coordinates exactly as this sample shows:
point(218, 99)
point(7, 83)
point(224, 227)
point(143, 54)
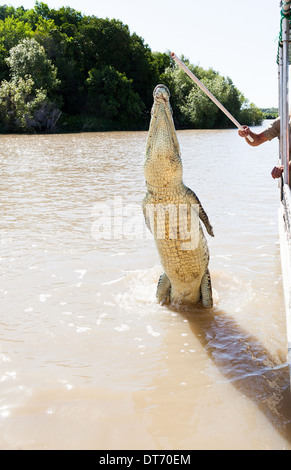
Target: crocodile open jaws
point(173, 213)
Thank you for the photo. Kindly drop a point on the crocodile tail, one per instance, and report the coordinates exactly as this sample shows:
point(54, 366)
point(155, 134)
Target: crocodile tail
point(206, 290)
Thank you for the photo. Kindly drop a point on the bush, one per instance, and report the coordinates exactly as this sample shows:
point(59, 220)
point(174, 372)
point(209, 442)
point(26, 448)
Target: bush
point(25, 108)
point(26, 101)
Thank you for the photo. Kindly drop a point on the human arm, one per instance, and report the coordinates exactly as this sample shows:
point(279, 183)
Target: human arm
point(258, 139)
point(268, 134)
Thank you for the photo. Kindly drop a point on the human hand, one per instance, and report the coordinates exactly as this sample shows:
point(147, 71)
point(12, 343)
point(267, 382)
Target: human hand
point(277, 172)
point(244, 131)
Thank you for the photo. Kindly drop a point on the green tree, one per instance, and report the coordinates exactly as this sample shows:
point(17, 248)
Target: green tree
point(110, 95)
point(12, 30)
point(161, 61)
point(104, 42)
point(199, 111)
point(29, 58)
point(64, 53)
point(26, 101)
point(251, 115)
point(87, 64)
point(23, 107)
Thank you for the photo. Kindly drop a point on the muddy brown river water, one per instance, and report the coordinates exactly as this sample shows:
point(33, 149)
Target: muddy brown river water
point(88, 359)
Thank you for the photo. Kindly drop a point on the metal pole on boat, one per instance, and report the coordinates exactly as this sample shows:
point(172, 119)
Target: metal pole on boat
point(285, 208)
point(280, 101)
point(285, 96)
point(280, 105)
point(207, 92)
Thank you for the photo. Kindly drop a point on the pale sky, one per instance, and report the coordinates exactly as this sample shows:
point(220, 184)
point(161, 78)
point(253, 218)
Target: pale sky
point(236, 38)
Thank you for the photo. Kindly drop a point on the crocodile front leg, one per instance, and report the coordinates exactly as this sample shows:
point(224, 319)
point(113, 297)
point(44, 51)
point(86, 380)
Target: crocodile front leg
point(193, 199)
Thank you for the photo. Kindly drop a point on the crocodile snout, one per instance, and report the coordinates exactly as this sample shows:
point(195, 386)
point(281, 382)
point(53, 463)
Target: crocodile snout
point(161, 92)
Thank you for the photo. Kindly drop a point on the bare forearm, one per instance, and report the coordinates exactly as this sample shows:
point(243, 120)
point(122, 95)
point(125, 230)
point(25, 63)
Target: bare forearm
point(257, 139)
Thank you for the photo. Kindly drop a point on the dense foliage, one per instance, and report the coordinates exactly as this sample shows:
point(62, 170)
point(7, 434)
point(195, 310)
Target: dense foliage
point(270, 113)
point(61, 70)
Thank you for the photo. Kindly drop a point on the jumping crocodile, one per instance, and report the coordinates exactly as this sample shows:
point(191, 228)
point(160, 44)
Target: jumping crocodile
point(172, 212)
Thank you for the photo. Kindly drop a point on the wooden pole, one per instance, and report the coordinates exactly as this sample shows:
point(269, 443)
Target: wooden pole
point(207, 92)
